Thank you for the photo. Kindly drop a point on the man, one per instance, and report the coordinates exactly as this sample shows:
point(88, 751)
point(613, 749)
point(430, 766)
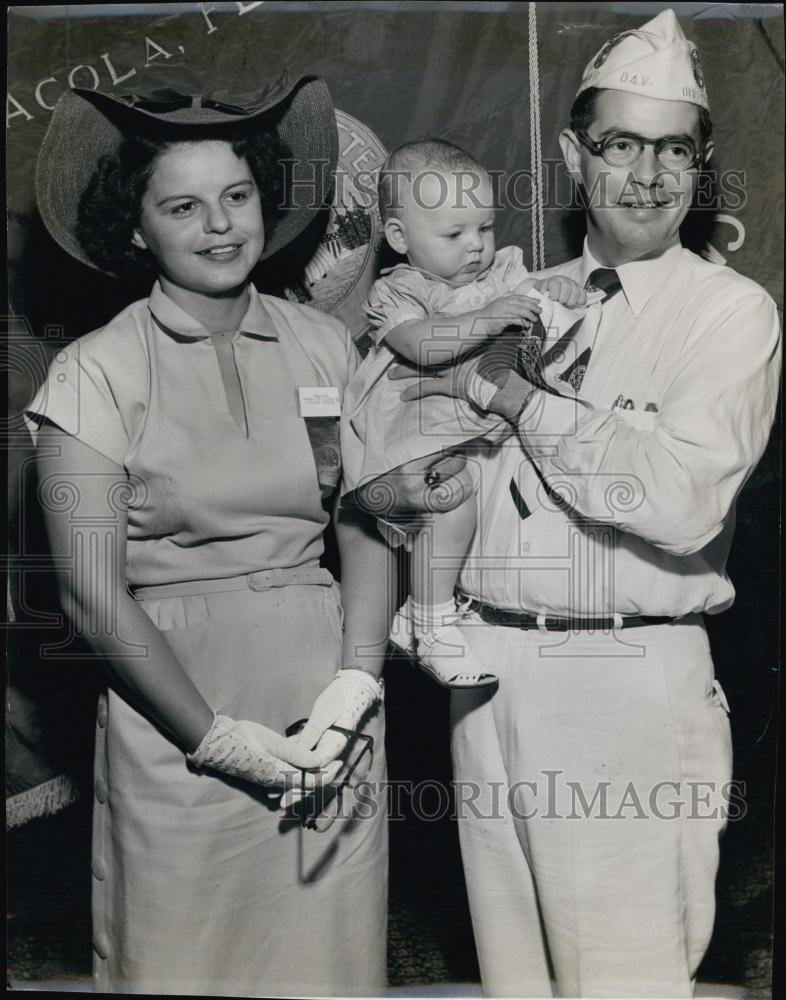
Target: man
point(591, 786)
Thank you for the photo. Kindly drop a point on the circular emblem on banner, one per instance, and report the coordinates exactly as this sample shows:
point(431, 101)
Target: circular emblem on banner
point(695, 63)
point(339, 275)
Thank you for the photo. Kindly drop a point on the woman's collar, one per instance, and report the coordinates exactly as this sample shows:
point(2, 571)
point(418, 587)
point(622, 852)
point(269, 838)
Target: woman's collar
point(175, 320)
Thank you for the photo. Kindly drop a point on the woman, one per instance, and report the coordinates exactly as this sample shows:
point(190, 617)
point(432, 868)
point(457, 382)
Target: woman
point(181, 488)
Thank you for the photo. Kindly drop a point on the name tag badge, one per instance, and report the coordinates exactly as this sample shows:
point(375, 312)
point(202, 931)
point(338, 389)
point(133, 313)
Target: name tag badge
point(319, 401)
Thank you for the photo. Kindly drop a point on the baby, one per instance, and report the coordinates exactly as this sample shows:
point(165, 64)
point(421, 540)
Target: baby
point(452, 297)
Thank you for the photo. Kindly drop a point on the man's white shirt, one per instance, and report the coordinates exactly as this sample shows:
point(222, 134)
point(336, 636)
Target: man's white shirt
point(629, 488)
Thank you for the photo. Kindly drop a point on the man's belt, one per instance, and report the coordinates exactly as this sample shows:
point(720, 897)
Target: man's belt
point(553, 623)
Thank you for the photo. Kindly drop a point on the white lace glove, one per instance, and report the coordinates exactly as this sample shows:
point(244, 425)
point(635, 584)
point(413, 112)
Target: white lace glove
point(344, 702)
point(255, 753)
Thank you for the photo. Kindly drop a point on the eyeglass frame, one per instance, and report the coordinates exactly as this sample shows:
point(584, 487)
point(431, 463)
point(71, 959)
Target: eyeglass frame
point(595, 146)
point(308, 817)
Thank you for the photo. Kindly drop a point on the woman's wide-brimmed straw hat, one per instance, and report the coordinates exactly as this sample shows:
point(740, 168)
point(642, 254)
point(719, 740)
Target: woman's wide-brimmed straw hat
point(86, 125)
point(336, 274)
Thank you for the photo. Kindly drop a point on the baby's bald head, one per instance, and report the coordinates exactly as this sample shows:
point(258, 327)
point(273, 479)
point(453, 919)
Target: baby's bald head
point(437, 207)
point(415, 161)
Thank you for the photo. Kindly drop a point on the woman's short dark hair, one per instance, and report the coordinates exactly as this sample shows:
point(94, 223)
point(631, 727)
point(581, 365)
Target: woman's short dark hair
point(110, 206)
point(583, 112)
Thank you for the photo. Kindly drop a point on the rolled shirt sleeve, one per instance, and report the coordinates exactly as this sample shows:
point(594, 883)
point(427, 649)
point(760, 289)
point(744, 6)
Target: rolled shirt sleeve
point(681, 467)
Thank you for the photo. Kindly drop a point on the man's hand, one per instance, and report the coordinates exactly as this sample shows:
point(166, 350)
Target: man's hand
point(459, 381)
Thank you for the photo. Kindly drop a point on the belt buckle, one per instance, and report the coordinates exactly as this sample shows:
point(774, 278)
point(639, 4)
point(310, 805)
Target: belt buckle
point(540, 621)
point(267, 581)
point(555, 623)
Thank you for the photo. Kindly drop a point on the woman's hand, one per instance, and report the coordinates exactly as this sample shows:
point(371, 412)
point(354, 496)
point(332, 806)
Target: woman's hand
point(344, 702)
point(257, 754)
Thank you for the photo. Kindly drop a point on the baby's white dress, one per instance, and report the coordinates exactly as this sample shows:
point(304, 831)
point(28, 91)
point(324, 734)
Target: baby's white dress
point(379, 432)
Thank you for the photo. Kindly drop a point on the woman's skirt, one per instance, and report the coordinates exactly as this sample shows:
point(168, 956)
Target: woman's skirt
point(201, 885)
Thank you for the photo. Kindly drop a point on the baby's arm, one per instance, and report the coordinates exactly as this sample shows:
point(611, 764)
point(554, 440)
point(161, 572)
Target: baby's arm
point(442, 340)
point(559, 288)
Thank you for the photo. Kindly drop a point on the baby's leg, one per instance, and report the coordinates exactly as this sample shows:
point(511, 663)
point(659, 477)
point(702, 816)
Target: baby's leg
point(438, 553)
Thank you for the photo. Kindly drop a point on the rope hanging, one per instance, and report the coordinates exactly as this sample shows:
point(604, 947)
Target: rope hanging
point(535, 145)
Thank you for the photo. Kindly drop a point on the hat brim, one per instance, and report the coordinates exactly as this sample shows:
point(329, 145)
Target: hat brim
point(336, 273)
point(86, 126)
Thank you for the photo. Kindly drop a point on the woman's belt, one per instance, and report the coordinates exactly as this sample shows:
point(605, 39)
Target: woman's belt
point(265, 579)
point(554, 623)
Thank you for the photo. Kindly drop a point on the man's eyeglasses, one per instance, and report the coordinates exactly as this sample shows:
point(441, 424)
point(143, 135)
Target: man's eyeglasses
point(622, 149)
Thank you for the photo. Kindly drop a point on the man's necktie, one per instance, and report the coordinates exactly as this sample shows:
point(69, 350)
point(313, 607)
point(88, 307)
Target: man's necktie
point(602, 279)
point(578, 339)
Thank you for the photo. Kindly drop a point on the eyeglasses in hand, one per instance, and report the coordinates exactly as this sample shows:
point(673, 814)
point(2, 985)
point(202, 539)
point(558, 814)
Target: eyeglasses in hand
point(313, 803)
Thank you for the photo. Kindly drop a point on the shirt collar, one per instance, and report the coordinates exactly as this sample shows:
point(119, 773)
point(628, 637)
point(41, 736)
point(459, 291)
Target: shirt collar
point(177, 322)
point(640, 279)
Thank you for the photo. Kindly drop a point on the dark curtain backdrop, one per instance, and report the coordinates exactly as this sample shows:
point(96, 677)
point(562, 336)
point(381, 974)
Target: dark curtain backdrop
point(454, 70)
